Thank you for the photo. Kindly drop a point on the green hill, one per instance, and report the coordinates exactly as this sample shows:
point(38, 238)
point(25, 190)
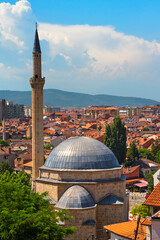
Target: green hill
point(54, 97)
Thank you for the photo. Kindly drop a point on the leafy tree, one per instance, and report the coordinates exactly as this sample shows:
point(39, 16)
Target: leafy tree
point(48, 146)
point(99, 128)
point(115, 139)
point(145, 153)
point(132, 154)
point(157, 157)
point(4, 143)
point(4, 166)
point(155, 148)
point(145, 129)
point(27, 215)
point(149, 178)
point(141, 210)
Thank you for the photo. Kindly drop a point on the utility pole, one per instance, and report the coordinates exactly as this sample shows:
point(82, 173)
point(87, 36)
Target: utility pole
point(136, 232)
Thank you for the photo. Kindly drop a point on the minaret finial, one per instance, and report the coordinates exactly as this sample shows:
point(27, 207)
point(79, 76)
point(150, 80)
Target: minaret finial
point(36, 25)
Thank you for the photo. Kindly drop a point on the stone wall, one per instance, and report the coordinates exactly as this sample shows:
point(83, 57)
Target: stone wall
point(80, 216)
point(108, 214)
point(70, 175)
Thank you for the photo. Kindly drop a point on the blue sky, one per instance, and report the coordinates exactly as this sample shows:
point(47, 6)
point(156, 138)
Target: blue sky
point(98, 47)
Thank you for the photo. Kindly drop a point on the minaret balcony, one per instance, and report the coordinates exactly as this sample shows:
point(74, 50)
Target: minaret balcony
point(37, 81)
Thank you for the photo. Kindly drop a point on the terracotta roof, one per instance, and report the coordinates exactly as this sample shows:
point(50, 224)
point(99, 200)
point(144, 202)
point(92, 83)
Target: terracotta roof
point(146, 222)
point(28, 164)
point(127, 230)
point(154, 197)
point(130, 169)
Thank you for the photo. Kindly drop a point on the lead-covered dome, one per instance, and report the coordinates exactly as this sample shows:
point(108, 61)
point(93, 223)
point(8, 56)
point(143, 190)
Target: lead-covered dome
point(81, 153)
point(77, 197)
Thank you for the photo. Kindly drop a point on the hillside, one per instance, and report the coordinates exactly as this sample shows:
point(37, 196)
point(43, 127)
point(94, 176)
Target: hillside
point(54, 97)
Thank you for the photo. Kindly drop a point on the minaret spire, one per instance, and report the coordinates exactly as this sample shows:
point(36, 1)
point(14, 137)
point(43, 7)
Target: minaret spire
point(37, 83)
point(36, 47)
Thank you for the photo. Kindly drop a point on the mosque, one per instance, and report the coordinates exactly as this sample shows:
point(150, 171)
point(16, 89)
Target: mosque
point(81, 174)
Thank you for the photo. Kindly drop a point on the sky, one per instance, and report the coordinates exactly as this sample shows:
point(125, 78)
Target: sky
point(88, 46)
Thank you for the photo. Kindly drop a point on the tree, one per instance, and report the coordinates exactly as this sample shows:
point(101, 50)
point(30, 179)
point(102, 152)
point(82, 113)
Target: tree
point(4, 143)
point(115, 139)
point(4, 166)
point(145, 153)
point(99, 128)
point(157, 157)
point(48, 146)
point(155, 148)
point(141, 210)
point(132, 154)
point(27, 215)
point(145, 129)
point(149, 178)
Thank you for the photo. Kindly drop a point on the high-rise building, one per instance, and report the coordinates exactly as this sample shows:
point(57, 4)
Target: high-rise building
point(51, 109)
point(37, 83)
point(14, 110)
point(2, 108)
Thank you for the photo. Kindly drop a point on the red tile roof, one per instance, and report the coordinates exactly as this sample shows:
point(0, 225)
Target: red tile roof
point(154, 197)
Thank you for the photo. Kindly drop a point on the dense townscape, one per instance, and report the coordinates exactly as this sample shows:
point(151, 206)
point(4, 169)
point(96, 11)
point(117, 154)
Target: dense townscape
point(70, 170)
point(142, 163)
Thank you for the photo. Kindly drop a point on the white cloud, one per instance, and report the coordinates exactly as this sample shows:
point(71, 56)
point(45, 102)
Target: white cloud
point(102, 49)
point(81, 58)
point(10, 20)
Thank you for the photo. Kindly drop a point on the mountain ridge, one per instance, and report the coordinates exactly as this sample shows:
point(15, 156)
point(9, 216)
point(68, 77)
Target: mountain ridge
point(56, 97)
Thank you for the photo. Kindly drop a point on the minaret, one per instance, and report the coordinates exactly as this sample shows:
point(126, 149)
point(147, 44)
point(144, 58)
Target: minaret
point(37, 83)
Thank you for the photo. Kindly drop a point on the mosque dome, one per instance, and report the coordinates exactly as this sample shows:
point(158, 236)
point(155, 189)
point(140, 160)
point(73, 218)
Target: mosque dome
point(75, 197)
point(81, 153)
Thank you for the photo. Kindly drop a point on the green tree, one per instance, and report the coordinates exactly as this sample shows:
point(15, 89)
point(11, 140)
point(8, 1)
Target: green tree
point(48, 146)
point(4, 166)
point(145, 153)
point(141, 210)
point(155, 148)
point(145, 129)
point(99, 128)
point(115, 139)
point(27, 215)
point(157, 157)
point(4, 143)
point(132, 154)
point(149, 178)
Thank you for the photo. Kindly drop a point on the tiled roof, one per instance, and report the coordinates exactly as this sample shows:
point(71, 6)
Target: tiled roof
point(127, 230)
point(154, 197)
point(146, 222)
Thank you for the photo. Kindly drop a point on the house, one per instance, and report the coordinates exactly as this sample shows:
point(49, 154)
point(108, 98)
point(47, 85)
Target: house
point(146, 165)
point(131, 172)
point(156, 177)
point(126, 231)
point(152, 226)
point(153, 201)
point(7, 155)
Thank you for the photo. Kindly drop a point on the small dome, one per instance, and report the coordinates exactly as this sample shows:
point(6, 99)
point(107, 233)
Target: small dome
point(75, 197)
point(81, 153)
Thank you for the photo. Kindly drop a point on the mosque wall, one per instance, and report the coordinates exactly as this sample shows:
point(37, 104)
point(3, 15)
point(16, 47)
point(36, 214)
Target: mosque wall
point(81, 175)
point(79, 217)
point(52, 189)
point(108, 214)
point(97, 190)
